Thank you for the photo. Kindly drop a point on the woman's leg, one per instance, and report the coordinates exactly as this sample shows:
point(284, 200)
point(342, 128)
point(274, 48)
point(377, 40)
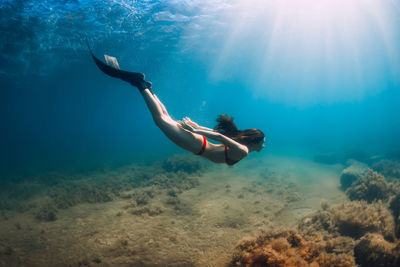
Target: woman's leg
point(153, 105)
point(186, 140)
point(162, 106)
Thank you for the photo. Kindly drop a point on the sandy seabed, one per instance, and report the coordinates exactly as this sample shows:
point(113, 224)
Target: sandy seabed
point(153, 225)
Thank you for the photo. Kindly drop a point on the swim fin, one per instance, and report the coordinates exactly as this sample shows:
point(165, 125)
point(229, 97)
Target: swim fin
point(112, 69)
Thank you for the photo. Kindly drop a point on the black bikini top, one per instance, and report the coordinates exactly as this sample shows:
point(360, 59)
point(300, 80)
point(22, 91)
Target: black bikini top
point(227, 160)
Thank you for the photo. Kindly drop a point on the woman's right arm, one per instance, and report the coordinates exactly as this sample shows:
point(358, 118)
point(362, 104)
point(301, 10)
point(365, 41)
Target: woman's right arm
point(188, 121)
point(217, 137)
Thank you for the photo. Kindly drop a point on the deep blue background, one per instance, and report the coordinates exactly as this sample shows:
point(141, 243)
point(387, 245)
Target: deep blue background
point(59, 112)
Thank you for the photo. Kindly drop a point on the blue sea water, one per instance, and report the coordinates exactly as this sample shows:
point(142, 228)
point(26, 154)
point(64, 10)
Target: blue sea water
point(320, 76)
point(87, 178)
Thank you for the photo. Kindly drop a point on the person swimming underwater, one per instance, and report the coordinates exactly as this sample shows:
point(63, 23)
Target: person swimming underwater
point(236, 144)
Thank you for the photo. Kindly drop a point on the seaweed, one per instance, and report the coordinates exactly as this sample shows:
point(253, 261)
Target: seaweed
point(395, 208)
point(370, 187)
point(352, 173)
point(178, 182)
point(395, 205)
point(343, 235)
point(183, 163)
point(353, 219)
point(177, 174)
point(288, 248)
point(374, 250)
point(70, 194)
point(142, 197)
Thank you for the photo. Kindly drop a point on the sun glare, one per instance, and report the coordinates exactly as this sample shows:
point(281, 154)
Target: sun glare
point(311, 51)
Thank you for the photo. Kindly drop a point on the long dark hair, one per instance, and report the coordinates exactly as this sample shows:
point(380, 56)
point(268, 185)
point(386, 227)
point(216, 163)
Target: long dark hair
point(227, 127)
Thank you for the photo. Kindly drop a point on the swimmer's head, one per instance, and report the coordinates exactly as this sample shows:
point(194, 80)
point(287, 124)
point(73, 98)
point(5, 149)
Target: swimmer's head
point(253, 138)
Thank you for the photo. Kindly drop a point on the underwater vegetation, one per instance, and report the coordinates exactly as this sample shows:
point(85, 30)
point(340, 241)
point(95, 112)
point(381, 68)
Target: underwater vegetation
point(352, 173)
point(369, 187)
point(373, 250)
point(139, 193)
point(353, 219)
point(395, 207)
point(356, 233)
point(44, 198)
point(362, 232)
point(383, 186)
point(180, 163)
point(289, 248)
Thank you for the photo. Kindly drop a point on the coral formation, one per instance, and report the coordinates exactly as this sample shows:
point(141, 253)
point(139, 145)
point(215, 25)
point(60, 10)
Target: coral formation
point(388, 168)
point(373, 250)
point(370, 187)
point(353, 219)
point(288, 248)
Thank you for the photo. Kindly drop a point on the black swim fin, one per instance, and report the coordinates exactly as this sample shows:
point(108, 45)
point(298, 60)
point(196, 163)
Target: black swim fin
point(112, 69)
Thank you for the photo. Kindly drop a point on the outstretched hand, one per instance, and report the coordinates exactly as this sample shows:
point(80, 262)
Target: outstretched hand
point(189, 122)
point(186, 126)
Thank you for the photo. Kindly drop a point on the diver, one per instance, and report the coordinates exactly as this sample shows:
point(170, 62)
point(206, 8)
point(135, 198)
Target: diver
point(236, 144)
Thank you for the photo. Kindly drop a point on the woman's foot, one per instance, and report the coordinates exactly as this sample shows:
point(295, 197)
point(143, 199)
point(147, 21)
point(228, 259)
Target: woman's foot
point(137, 80)
point(112, 69)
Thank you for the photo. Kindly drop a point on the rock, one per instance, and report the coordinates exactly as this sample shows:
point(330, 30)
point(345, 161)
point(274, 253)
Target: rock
point(369, 187)
point(374, 250)
point(352, 173)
